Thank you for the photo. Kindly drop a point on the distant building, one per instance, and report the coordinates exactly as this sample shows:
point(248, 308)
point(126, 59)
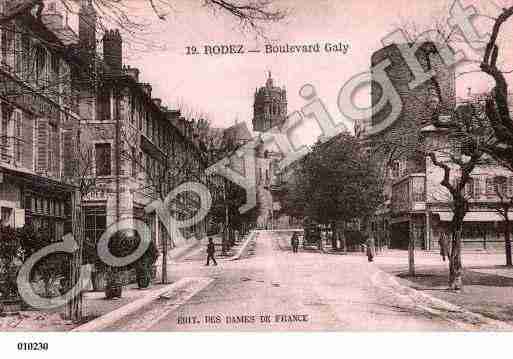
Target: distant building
point(270, 106)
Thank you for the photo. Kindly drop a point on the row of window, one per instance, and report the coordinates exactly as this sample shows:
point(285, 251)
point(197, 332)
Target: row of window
point(33, 144)
point(28, 59)
point(474, 187)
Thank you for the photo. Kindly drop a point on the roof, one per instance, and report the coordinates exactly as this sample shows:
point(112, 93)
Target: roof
point(238, 133)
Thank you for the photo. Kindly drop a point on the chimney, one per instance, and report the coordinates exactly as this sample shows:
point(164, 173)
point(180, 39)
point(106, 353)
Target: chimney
point(133, 72)
point(157, 101)
point(113, 52)
point(52, 18)
point(146, 89)
point(87, 22)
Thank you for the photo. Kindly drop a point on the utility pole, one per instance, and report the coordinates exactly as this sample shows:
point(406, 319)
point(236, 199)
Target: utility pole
point(226, 217)
point(164, 236)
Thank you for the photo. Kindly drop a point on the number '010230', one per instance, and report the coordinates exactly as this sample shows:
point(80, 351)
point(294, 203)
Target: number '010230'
point(32, 346)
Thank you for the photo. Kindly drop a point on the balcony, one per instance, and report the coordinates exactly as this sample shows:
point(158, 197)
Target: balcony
point(409, 194)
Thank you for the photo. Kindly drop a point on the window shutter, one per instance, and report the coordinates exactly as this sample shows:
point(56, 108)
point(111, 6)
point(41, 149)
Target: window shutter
point(42, 145)
point(4, 134)
point(67, 155)
point(27, 129)
point(56, 151)
point(18, 136)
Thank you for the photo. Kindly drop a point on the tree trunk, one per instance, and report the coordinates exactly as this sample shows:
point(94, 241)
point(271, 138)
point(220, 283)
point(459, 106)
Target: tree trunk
point(74, 307)
point(455, 264)
point(164, 257)
point(334, 237)
point(507, 239)
point(344, 241)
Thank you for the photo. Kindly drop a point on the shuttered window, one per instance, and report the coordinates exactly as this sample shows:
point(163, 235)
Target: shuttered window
point(18, 140)
point(42, 145)
point(103, 159)
point(67, 155)
point(4, 140)
point(54, 151)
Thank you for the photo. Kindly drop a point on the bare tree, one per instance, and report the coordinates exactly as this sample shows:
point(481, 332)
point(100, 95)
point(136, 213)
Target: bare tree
point(183, 162)
point(497, 108)
point(251, 14)
point(79, 171)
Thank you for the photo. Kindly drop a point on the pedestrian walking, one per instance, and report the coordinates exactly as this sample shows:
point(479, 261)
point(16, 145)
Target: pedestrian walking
point(443, 242)
point(211, 249)
point(370, 247)
point(294, 242)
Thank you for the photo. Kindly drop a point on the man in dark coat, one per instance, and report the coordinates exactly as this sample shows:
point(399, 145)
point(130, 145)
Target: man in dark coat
point(444, 244)
point(295, 242)
point(211, 249)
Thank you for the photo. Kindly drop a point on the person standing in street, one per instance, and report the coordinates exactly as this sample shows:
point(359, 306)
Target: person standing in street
point(443, 242)
point(370, 247)
point(211, 249)
point(294, 242)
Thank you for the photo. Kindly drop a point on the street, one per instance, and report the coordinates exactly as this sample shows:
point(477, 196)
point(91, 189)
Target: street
point(276, 289)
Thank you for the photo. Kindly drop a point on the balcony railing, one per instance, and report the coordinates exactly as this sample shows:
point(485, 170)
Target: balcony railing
point(409, 194)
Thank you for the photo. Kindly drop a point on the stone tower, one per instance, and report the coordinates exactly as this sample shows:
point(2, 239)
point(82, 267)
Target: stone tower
point(87, 21)
point(417, 103)
point(270, 107)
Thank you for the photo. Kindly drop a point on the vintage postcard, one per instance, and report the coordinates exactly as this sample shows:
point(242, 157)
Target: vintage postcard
point(255, 165)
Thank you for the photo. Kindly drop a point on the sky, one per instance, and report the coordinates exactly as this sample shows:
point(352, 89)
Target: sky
point(223, 86)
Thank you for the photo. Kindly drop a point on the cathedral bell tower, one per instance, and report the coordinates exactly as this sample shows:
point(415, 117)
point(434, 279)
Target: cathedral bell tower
point(270, 106)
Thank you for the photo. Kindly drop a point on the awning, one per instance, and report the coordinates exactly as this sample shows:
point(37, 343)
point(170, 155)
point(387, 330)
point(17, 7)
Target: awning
point(488, 216)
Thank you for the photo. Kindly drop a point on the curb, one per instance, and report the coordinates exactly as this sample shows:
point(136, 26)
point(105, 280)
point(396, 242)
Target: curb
point(467, 321)
point(176, 253)
point(111, 318)
point(244, 246)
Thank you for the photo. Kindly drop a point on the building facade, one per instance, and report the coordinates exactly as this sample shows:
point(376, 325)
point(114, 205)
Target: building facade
point(269, 107)
point(417, 207)
point(38, 125)
point(137, 152)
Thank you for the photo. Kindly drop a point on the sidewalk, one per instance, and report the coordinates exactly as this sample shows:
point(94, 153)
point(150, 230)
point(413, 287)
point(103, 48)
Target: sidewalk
point(94, 303)
point(488, 284)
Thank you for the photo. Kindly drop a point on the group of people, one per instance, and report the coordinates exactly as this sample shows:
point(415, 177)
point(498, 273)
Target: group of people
point(370, 247)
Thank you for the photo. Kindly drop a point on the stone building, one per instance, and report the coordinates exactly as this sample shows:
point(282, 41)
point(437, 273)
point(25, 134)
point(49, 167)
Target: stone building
point(270, 106)
point(270, 111)
point(416, 205)
point(138, 153)
point(38, 124)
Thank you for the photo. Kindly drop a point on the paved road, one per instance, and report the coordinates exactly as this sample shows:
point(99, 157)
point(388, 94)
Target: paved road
point(276, 289)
